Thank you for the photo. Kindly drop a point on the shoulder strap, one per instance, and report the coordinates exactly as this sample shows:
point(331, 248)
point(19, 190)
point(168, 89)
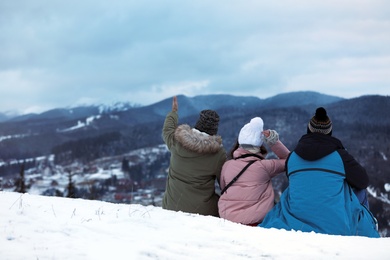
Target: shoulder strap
point(248, 155)
point(238, 175)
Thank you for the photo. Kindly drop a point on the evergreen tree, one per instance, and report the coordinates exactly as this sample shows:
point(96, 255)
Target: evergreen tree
point(71, 187)
point(20, 183)
point(125, 165)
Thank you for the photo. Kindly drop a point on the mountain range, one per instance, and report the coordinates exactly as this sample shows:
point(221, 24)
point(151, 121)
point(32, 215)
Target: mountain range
point(36, 134)
point(111, 130)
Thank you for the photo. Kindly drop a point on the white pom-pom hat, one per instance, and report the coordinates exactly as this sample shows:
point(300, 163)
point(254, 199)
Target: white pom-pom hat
point(251, 133)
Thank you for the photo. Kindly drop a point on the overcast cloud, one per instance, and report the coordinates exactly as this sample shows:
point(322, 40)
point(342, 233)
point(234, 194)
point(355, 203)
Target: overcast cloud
point(64, 53)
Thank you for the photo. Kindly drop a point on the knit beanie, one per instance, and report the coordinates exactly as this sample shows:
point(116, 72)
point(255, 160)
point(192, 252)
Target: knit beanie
point(320, 122)
point(208, 122)
point(251, 133)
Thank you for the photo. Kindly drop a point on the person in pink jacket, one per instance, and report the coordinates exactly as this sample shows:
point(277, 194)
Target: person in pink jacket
point(246, 199)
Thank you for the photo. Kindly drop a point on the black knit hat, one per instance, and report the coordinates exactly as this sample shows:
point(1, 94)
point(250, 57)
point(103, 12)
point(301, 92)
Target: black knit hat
point(320, 123)
point(208, 122)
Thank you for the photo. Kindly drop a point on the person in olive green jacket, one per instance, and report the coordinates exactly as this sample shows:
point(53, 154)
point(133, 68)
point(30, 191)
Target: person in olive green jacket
point(197, 156)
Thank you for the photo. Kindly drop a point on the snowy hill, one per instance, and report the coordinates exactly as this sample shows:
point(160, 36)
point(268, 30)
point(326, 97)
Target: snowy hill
point(39, 227)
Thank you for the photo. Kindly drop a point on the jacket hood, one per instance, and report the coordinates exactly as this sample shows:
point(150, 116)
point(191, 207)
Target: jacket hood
point(196, 141)
point(241, 151)
point(314, 146)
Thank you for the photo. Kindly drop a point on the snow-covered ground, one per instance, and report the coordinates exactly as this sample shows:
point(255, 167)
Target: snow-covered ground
point(39, 227)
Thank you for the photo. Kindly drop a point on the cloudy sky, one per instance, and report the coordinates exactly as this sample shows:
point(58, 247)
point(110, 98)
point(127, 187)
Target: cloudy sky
point(65, 53)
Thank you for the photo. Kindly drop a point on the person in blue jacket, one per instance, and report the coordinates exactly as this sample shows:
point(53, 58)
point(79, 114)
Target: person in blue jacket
point(323, 178)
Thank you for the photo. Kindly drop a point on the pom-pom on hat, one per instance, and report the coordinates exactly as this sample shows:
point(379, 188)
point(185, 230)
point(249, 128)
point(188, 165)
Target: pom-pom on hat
point(251, 133)
point(208, 122)
point(320, 122)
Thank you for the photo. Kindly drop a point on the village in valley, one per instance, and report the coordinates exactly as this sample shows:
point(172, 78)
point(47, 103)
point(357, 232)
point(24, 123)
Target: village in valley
point(137, 177)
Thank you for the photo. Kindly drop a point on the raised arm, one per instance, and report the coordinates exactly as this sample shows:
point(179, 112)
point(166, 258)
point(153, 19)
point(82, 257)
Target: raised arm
point(272, 140)
point(170, 124)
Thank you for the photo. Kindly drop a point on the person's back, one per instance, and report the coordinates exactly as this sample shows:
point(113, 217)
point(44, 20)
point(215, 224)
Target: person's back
point(249, 197)
point(197, 156)
point(319, 197)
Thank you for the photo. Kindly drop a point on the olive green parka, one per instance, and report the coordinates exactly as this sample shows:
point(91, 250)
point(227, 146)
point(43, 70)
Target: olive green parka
point(196, 162)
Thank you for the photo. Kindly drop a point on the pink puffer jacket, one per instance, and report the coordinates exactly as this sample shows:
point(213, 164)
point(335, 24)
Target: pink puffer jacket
point(250, 198)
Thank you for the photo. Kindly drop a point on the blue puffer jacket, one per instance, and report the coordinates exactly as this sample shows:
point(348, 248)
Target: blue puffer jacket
point(319, 198)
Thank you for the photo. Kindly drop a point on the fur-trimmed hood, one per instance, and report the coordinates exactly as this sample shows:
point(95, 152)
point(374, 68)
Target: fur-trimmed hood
point(196, 141)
